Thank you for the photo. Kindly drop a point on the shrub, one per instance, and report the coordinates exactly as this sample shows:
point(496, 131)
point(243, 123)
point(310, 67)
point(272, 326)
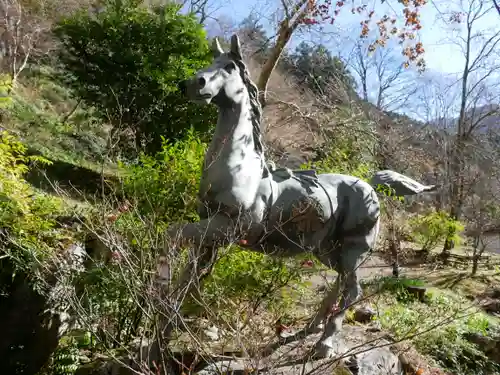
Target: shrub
point(28, 234)
point(431, 229)
point(248, 276)
point(161, 189)
point(127, 62)
point(398, 287)
point(314, 66)
point(444, 322)
point(345, 151)
point(5, 89)
point(166, 185)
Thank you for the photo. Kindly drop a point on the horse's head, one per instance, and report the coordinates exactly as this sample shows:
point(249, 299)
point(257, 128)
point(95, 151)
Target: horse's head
point(222, 81)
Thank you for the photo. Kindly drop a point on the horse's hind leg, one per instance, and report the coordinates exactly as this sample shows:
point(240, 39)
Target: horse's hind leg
point(352, 253)
point(317, 322)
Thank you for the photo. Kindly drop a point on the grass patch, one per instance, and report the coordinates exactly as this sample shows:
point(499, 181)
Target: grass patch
point(39, 113)
point(460, 282)
point(50, 122)
point(437, 328)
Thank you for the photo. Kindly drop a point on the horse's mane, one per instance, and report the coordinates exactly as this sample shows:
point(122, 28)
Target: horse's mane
point(253, 94)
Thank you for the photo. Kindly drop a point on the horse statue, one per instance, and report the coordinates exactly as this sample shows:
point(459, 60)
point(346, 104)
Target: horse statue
point(243, 199)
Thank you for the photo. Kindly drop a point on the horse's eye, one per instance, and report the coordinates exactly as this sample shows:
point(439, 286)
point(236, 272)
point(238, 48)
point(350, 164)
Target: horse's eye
point(230, 67)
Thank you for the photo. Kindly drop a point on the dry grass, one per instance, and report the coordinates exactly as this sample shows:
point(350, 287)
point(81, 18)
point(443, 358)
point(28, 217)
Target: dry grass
point(286, 123)
point(460, 282)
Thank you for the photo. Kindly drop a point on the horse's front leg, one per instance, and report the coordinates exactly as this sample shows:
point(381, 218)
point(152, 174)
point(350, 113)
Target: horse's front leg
point(216, 230)
point(202, 238)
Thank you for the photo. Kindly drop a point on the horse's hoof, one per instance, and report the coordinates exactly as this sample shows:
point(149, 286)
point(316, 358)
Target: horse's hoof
point(323, 350)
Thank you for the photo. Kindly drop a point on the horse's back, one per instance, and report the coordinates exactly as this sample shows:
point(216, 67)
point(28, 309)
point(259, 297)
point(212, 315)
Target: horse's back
point(357, 201)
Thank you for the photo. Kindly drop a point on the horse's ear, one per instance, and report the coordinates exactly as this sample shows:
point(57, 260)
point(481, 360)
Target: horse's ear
point(216, 48)
point(235, 47)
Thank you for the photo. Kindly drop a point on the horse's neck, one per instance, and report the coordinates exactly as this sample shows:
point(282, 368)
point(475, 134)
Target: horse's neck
point(233, 168)
point(233, 142)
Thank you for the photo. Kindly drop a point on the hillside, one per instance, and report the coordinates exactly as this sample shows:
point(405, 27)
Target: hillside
point(101, 154)
point(485, 118)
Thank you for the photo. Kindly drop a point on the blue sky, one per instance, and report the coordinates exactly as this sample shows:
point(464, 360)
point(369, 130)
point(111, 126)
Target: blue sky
point(444, 58)
point(440, 56)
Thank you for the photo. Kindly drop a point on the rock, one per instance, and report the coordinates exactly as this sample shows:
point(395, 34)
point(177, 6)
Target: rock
point(374, 326)
point(490, 345)
point(292, 358)
point(32, 322)
point(208, 329)
point(378, 361)
point(495, 293)
point(237, 366)
point(105, 367)
point(212, 333)
point(491, 306)
point(484, 342)
point(364, 314)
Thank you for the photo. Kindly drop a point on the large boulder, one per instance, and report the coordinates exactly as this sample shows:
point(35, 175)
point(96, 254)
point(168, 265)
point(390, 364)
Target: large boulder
point(32, 321)
point(490, 345)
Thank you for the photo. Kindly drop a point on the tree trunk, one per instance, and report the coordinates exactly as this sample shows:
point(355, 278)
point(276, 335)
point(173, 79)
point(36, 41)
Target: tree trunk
point(285, 32)
point(456, 162)
point(476, 256)
point(30, 324)
point(284, 35)
point(475, 261)
point(365, 88)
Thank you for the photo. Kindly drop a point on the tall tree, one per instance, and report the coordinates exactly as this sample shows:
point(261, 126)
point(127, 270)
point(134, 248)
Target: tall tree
point(254, 35)
point(478, 88)
point(308, 13)
point(127, 62)
point(384, 80)
point(315, 67)
point(202, 9)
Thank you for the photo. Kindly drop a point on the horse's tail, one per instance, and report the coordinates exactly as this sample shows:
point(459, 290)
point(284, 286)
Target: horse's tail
point(399, 184)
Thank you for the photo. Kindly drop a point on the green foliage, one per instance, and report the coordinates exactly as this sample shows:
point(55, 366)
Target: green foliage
point(398, 287)
point(166, 185)
point(444, 325)
point(388, 192)
point(5, 90)
point(53, 124)
point(127, 62)
point(113, 297)
point(249, 276)
point(161, 189)
point(26, 216)
point(316, 68)
point(66, 357)
point(431, 229)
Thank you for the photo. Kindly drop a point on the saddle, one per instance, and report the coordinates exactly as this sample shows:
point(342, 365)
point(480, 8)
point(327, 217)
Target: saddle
point(308, 177)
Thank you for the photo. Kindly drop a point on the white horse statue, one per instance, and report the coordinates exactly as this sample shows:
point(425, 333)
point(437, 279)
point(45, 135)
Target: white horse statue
point(278, 211)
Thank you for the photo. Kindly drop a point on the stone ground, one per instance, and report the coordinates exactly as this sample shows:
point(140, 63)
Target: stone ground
point(364, 353)
point(363, 349)
point(374, 266)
